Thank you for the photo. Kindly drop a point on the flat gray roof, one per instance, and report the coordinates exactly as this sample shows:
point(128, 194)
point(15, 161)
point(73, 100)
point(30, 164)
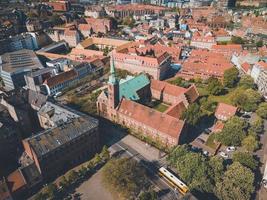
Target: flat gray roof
point(19, 61)
point(51, 139)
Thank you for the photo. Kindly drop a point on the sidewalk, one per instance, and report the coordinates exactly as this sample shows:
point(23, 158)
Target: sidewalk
point(262, 153)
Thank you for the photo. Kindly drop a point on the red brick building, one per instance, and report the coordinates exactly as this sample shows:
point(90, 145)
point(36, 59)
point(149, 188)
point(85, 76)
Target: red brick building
point(95, 26)
point(204, 64)
point(121, 103)
point(172, 94)
point(62, 6)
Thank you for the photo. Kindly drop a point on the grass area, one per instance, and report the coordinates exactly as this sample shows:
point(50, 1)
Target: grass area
point(210, 141)
point(161, 107)
point(225, 98)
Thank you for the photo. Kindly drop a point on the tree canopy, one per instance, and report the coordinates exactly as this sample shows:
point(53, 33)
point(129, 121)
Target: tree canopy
point(257, 126)
point(230, 77)
point(247, 82)
point(246, 160)
point(215, 86)
point(124, 176)
point(248, 99)
point(233, 132)
point(193, 168)
point(250, 143)
point(193, 114)
point(262, 110)
point(237, 183)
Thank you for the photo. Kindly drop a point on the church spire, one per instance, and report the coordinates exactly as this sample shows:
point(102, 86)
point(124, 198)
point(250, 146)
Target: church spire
point(112, 77)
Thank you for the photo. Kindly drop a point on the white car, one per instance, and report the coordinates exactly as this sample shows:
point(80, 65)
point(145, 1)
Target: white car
point(224, 155)
point(230, 149)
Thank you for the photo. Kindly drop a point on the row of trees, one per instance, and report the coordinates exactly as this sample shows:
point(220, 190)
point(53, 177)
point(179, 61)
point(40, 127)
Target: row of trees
point(211, 178)
point(126, 177)
point(237, 132)
point(56, 191)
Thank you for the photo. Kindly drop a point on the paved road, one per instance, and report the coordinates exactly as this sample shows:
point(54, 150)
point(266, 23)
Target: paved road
point(262, 154)
point(149, 160)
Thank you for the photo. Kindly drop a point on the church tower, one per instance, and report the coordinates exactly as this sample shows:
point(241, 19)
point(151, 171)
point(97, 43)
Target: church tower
point(113, 87)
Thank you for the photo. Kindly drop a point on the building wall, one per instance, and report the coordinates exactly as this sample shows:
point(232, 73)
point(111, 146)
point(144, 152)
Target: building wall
point(146, 130)
point(135, 66)
point(202, 45)
point(69, 155)
point(262, 83)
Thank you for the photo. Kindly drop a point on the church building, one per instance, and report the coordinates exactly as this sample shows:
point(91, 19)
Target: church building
point(125, 102)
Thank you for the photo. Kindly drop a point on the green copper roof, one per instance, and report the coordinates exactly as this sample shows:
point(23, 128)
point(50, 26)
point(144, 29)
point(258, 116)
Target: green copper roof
point(112, 77)
point(130, 86)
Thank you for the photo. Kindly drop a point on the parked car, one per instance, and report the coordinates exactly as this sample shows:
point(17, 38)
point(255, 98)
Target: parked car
point(224, 155)
point(230, 149)
point(206, 153)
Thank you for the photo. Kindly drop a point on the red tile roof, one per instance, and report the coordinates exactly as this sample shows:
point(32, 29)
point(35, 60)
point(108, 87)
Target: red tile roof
point(61, 78)
point(16, 181)
point(225, 111)
point(245, 67)
point(262, 64)
point(192, 93)
point(176, 110)
point(167, 88)
point(159, 121)
point(217, 127)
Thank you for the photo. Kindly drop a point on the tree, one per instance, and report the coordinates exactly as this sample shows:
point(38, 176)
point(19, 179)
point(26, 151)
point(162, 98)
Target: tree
point(97, 159)
point(180, 82)
point(124, 176)
point(217, 168)
point(105, 153)
point(259, 43)
point(73, 176)
point(262, 110)
point(208, 105)
point(257, 126)
point(149, 195)
point(51, 190)
point(247, 82)
point(176, 153)
point(248, 100)
point(250, 143)
point(230, 77)
point(246, 160)
point(63, 182)
point(214, 86)
point(193, 114)
point(128, 21)
point(237, 40)
point(237, 183)
point(194, 170)
point(233, 132)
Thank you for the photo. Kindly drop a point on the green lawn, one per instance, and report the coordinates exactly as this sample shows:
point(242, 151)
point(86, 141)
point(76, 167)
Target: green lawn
point(161, 107)
point(210, 141)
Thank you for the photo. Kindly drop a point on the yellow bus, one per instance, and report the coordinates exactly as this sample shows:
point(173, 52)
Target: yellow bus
point(173, 180)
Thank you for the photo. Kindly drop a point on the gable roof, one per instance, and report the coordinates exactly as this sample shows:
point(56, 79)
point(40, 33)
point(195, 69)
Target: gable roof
point(61, 78)
point(131, 85)
point(164, 123)
point(176, 110)
point(192, 93)
point(225, 111)
point(167, 88)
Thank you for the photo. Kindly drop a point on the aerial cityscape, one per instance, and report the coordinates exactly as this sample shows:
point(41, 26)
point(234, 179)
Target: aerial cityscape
point(133, 100)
